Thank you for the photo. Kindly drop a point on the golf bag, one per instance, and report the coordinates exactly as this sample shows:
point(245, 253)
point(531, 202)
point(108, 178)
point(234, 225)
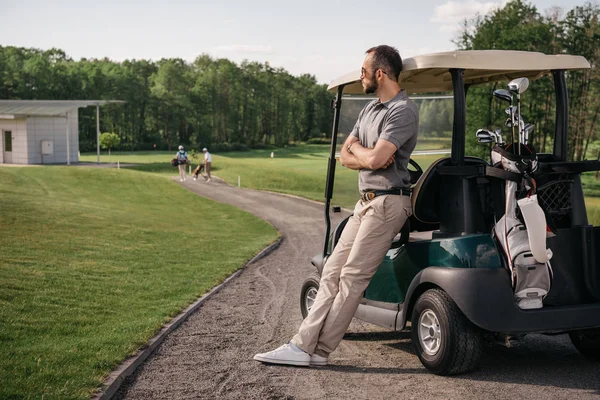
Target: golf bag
point(174, 162)
point(523, 237)
point(199, 169)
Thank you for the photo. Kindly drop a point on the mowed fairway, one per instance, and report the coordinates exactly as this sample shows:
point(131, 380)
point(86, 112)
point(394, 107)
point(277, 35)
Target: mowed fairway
point(299, 170)
point(592, 204)
point(94, 261)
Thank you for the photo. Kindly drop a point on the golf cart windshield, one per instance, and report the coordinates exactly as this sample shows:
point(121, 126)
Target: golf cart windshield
point(461, 71)
point(434, 140)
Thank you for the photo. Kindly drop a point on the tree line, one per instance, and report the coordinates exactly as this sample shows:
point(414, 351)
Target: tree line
point(207, 102)
point(520, 26)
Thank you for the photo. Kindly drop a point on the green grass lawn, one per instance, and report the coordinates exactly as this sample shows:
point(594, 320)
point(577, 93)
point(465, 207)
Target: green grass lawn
point(94, 261)
point(299, 170)
point(592, 204)
point(434, 143)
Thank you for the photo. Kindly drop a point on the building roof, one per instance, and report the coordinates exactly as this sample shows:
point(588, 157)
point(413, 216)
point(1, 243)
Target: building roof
point(10, 109)
point(431, 72)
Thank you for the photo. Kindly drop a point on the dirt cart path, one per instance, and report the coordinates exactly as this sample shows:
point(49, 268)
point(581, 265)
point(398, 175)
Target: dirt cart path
point(210, 355)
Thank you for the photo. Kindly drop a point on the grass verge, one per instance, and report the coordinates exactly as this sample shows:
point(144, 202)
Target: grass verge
point(94, 262)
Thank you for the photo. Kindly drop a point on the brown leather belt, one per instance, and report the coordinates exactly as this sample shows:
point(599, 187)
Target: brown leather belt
point(368, 196)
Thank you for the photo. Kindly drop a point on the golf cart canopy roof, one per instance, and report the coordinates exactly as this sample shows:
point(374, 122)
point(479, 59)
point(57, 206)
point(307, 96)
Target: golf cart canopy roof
point(430, 72)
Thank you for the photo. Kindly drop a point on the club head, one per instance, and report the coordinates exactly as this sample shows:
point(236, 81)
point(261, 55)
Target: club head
point(485, 136)
point(503, 94)
point(482, 133)
point(498, 133)
point(518, 85)
point(528, 128)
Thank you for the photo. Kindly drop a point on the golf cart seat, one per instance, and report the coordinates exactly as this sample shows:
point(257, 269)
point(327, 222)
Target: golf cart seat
point(451, 203)
point(424, 198)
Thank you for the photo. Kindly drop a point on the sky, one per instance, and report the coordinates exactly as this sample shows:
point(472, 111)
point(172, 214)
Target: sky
point(325, 38)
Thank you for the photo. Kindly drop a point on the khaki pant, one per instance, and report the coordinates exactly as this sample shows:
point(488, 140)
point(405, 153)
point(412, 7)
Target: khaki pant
point(207, 169)
point(362, 246)
point(182, 171)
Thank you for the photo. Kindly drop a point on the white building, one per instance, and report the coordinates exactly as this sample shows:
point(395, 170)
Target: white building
point(43, 131)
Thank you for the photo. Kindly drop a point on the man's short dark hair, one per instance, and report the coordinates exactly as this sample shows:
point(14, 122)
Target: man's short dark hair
point(387, 59)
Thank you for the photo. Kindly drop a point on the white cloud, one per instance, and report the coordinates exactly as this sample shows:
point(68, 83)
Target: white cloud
point(451, 14)
point(244, 48)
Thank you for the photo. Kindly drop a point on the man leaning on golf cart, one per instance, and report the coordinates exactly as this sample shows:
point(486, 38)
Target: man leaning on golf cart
point(379, 147)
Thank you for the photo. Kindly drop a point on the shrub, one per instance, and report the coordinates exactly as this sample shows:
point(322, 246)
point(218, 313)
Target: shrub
point(109, 140)
point(318, 141)
point(227, 147)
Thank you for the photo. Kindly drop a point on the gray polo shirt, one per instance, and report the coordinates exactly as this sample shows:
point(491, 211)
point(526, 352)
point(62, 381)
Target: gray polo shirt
point(397, 121)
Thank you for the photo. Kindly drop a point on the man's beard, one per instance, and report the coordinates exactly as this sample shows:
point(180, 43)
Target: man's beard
point(371, 85)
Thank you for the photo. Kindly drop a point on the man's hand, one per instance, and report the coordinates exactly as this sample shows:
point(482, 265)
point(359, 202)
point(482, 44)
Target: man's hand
point(390, 161)
point(347, 159)
point(381, 156)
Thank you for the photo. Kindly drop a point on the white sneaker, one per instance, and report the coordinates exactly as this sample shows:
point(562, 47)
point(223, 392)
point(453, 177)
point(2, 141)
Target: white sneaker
point(318, 361)
point(208, 180)
point(195, 178)
point(180, 179)
point(285, 355)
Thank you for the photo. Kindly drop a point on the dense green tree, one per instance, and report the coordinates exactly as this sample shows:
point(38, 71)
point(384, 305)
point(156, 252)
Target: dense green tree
point(204, 103)
point(580, 34)
point(519, 26)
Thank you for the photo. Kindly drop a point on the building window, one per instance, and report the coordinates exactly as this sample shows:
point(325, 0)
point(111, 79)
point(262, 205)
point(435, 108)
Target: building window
point(7, 140)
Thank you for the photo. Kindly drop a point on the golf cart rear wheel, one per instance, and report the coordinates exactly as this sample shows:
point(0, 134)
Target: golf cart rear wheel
point(308, 294)
point(587, 342)
point(446, 342)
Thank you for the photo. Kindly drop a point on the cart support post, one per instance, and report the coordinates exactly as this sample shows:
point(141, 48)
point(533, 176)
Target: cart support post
point(337, 105)
point(458, 126)
point(562, 115)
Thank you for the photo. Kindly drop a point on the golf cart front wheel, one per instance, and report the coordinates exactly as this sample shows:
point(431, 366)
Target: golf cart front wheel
point(587, 342)
point(446, 342)
point(308, 294)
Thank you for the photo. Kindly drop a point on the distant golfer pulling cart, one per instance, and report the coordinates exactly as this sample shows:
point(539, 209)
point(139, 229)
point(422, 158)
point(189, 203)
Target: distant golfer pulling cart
point(456, 282)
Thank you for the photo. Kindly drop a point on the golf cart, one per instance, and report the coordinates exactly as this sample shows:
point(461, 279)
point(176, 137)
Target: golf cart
point(446, 273)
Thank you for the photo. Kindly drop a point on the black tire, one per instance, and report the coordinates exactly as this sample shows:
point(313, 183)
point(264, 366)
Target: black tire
point(587, 342)
point(456, 345)
point(308, 292)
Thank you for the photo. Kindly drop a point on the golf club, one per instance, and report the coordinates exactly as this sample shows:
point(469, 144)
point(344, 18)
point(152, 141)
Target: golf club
point(519, 86)
point(507, 96)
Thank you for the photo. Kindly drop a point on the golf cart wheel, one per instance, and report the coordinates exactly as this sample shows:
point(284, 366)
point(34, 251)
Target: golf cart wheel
point(446, 342)
point(587, 342)
point(308, 294)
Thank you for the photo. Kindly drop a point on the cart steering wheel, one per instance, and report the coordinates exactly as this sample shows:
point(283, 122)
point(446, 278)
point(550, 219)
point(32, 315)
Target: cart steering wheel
point(415, 172)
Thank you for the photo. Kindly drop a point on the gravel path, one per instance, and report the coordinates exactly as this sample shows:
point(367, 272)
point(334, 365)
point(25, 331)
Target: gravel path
point(210, 355)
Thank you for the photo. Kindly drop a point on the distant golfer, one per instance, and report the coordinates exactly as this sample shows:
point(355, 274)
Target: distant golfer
point(182, 159)
point(207, 163)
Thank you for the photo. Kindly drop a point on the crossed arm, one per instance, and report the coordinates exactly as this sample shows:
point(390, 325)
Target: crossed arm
point(381, 156)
